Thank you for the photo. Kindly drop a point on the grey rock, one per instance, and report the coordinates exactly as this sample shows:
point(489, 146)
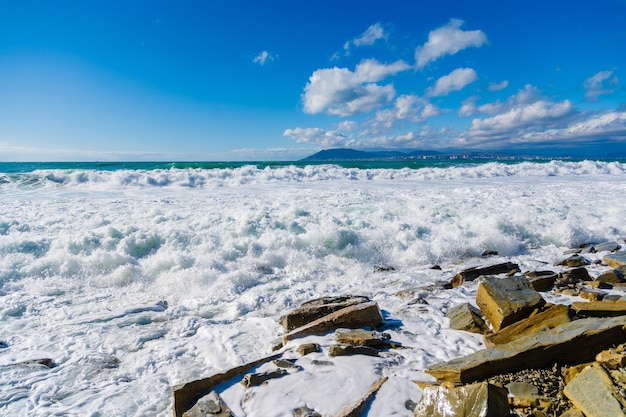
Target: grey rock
point(211, 405)
point(615, 260)
point(256, 379)
point(468, 318)
point(471, 274)
point(315, 309)
point(338, 350)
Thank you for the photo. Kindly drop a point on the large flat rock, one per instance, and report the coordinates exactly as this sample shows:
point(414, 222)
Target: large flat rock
point(504, 301)
point(574, 342)
point(599, 308)
point(615, 260)
point(315, 309)
point(593, 392)
point(550, 318)
point(356, 316)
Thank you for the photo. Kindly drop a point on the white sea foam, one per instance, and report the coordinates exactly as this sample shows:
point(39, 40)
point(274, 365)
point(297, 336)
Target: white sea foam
point(88, 257)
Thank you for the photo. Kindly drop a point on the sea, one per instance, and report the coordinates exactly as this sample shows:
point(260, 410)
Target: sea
point(134, 277)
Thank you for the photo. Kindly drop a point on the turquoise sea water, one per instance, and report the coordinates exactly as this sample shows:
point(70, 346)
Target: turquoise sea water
point(21, 167)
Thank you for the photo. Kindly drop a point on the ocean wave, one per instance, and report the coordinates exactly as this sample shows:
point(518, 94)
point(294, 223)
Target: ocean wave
point(253, 175)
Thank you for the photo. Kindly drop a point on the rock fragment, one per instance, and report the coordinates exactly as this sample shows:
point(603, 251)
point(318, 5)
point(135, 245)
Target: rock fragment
point(471, 274)
point(504, 301)
point(256, 379)
point(468, 318)
point(211, 405)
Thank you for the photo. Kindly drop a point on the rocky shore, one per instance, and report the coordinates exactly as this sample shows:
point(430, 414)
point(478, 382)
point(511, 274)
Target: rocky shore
point(541, 357)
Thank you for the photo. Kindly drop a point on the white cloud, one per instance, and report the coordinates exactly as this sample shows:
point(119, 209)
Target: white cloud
point(609, 126)
point(341, 92)
point(369, 37)
point(448, 40)
point(315, 135)
point(409, 108)
point(264, 57)
point(498, 86)
point(454, 81)
point(599, 84)
point(468, 107)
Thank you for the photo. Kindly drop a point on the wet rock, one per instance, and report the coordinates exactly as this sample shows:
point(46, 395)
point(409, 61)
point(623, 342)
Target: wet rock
point(615, 260)
point(504, 301)
point(476, 400)
point(592, 295)
point(599, 308)
point(47, 362)
point(315, 309)
point(574, 261)
point(572, 412)
point(600, 285)
point(489, 253)
point(575, 342)
point(360, 337)
point(593, 392)
point(305, 412)
point(356, 409)
point(580, 274)
point(468, 318)
point(610, 277)
point(338, 350)
point(287, 364)
point(256, 379)
point(384, 268)
point(607, 247)
point(211, 405)
point(550, 318)
point(3, 344)
point(307, 348)
point(185, 395)
point(353, 317)
point(541, 280)
point(471, 274)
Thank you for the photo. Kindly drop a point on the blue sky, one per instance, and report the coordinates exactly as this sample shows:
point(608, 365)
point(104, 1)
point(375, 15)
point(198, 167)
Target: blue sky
point(279, 80)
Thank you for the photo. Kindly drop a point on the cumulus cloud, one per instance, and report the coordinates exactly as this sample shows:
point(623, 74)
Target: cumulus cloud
point(498, 86)
point(454, 81)
point(468, 107)
point(608, 126)
point(517, 120)
point(600, 83)
point(448, 40)
point(410, 108)
point(315, 135)
point(341, 92)
point(264, 57)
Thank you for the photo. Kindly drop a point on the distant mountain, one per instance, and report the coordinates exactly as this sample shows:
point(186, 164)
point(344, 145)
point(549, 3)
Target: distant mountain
point(344, 154)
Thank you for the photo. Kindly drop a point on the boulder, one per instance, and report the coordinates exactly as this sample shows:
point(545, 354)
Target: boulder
point(574, 261)
point(578, 274)
point(471, 274)
point(307, 348)
point(599, 308)
point(504, 301)
point(592, 295)
point(548, 319)
point(211, 405)
point(468, 318)
point(592, 391)
point(476, 400)
point(353, 317)
point(610, 277)
point(360, 337)
point(607, 247)
point(541, 280)
point(339, 350)
point(574, 342)
point(615, 260)
point(315, 309)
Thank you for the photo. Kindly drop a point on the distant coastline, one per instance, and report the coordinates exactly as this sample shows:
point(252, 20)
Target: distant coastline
point(347, 154)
